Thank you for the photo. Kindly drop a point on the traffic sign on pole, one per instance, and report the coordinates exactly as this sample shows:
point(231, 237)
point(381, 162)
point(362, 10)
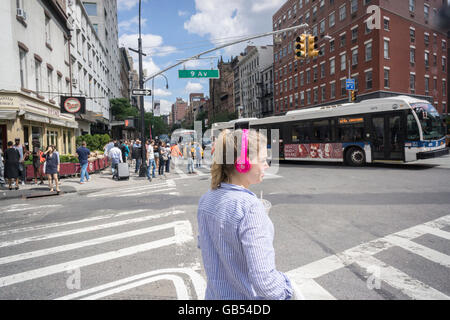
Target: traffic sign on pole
point(141, 92)
point(350, 84)
point(210, 74)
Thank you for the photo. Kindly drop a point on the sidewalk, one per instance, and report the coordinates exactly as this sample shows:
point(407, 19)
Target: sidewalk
point(99, 181)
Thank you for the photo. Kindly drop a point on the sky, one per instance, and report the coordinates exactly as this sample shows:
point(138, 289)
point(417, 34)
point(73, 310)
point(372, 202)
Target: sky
point(178, 29)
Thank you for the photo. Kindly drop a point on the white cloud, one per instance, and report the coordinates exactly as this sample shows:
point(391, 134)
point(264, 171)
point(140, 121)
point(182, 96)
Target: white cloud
point(152, 44)
point(132, 24)
point(193, 87)
point(166, 106)
point(223, 21)
point(162, 93)
point(182, 13)
point(127, 4)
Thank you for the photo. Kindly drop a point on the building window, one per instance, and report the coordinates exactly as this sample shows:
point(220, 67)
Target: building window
point(354, 34)
point(412, 35)
point(308, 76)
point(323, 93)
point(386, 24)
point(37, 75)
point(59, 84)
point(444, 64)
point(427, 59)
point(412, 5)
point(386, 78)
point(412, 82)
point(343, 40)
point(355, 57)
point(308, 97)
point(354, 6)
point(315, 74)
point(426, 11)
point(368, 80)
point(369, 51)
point(412, 55)
point(343, 87)
point(296, 81)
point(444, 87)
point(386, 49)
point(302, 98)
point(47, 29)
point(427, 39)
point(333, 90)
point(49, 82)
point(322, 26)
point(316, 95)
point(427, 85)
point(302, 79)
point(332, 66)
point(342, 13)
point(23, 68)
point(332, 19)
point(331, 45)
point(322, 70)
point(343, 62)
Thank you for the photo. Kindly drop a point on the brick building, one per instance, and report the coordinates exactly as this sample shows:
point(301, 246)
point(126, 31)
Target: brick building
point(221, 91)
point(406, 55)
point(179, 109)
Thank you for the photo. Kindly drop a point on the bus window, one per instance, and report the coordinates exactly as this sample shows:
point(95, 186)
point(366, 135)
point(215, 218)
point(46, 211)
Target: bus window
point(300, 132)
point(412, 128)
point(321, 131)
point(351, 133)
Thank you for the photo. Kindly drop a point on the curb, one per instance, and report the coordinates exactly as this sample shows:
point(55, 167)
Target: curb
point(20, 194)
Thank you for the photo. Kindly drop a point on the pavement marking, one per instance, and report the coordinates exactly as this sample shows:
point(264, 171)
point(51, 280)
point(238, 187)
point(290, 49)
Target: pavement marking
point(363, 256)
point(129, 190)
point(62, 224)
point(82, 244)
point(435, 232)
point(88, 229)
point(313, 291)
point(33, 208)
point(197, 280)
point(144, 192)
point(181, 173)
point(183, 234)
point(180, 287)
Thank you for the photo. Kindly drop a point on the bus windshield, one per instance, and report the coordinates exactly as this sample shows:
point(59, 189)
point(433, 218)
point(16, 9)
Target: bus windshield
point(431, 122)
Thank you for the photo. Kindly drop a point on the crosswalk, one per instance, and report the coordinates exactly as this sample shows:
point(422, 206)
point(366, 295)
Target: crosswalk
point(363, 256)
point(110, 253)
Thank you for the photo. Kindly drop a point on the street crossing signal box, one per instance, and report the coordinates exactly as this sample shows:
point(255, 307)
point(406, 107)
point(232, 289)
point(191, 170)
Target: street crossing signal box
point(313, 47)
point(300, 47)
point(354, 95)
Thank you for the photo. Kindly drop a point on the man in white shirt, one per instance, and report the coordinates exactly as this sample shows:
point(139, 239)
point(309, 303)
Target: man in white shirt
point(115, 154)
point(150, 159)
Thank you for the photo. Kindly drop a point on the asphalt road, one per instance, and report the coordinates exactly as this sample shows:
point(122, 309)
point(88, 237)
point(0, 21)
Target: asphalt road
point(377, 232)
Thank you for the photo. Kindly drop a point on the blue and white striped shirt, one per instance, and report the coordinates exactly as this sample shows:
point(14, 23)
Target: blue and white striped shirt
point(236, 240)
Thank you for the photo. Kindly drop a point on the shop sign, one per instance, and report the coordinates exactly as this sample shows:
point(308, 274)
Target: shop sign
point(73, 105)
point(6, 101)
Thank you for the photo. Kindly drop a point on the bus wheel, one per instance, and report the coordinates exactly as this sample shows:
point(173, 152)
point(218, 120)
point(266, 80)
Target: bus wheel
point(355, 157)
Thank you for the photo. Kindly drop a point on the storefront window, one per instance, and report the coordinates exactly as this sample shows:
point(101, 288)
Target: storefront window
point(69, 135)
point(36, 134)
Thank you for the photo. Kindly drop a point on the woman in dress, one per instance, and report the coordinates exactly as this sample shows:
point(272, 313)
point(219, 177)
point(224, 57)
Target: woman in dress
point(52, 168)
point(12, 159)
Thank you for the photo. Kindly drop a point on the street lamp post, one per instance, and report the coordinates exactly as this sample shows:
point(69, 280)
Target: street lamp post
point(153, 95)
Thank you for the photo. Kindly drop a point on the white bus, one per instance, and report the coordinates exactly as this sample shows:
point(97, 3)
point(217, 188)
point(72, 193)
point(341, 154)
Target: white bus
point(399, 129)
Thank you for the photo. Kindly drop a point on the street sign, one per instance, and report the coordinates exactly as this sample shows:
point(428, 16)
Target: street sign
point(210, 74)
point(350, 84)
point(141, 92)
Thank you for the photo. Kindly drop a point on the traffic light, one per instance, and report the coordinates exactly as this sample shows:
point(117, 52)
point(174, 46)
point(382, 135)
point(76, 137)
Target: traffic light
point(354, 96)
point(312, 46)
point(300, 47)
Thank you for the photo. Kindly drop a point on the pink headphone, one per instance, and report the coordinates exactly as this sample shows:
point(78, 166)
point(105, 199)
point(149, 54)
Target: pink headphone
point(243, 164)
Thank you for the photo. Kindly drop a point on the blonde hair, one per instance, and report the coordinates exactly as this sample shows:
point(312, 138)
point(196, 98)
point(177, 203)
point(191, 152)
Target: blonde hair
point(227, 151)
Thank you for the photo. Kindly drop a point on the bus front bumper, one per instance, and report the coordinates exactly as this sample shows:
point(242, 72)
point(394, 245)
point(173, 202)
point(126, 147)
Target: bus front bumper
point(432, 154)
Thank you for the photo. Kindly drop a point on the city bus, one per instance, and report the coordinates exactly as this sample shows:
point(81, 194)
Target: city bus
point(397, 129)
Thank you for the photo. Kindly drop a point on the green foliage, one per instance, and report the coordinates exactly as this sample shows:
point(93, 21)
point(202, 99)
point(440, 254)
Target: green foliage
point(122, 109)
point(95, 142)
point(158, 125)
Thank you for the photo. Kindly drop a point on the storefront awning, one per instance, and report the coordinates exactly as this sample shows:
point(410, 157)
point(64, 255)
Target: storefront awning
point(35, 117)
point(58, 122)
point(71, 124)
point(8, 114)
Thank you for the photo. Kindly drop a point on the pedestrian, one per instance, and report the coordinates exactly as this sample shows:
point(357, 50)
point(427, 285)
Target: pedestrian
point(235, 232)
point(52, 168)
point(156, 152)
point(125, 150)
point(2, 167)
point(37, 154)
point(198, 155)
point(108, 147)
point(169, 157)
point(175, 155)
point(190, 160)
point(137, 154)
point(12, 161)
point(83, 156)
point(162, 158)
point(151, 159)
point(116, 157)
point(23, 155)
point(55, 150)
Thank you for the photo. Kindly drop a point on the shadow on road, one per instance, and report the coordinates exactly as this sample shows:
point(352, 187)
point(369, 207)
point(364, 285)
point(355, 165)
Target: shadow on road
point(374, 166)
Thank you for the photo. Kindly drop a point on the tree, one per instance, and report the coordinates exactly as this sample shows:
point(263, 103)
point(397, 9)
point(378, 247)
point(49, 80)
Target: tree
point(158, 125)
point(122, 109)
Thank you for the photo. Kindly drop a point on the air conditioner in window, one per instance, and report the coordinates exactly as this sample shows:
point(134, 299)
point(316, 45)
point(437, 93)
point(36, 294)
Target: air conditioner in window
point(21, 13)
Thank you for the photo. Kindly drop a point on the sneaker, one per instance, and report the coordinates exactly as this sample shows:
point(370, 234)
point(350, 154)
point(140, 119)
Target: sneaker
point(82, 182)
point(23, 183)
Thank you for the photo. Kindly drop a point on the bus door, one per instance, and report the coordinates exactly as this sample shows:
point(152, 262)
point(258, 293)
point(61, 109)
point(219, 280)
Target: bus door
point(387, 136)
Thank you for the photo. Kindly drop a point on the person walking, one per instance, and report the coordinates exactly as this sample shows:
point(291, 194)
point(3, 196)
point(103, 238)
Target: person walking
point(169, 157)
point(37, 164)
point(12, 161)
point(198, 155)
point(175, 154)
point(151, 160)
point(156, 152)
point(52, 168)
point(137, 155)
point(83, 156)
point(125, 150)
point(235, 231)
point(162, 158)
point(2, 167)
point(190, 160)
point(115, 154)
point(23, 155)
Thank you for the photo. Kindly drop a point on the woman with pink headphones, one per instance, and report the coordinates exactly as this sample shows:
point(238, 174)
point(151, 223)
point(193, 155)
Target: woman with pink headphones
point(235, 232)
